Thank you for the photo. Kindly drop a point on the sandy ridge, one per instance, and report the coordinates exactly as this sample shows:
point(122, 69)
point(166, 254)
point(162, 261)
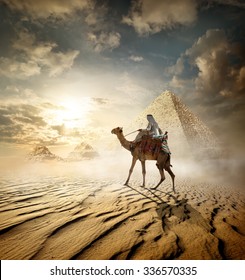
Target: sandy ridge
point(63, 218)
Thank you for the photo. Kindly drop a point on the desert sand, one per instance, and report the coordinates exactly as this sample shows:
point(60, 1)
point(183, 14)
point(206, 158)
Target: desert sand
point(84, 211)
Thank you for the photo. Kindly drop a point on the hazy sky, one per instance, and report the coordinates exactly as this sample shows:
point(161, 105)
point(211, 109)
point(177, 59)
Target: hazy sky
point(73, 69)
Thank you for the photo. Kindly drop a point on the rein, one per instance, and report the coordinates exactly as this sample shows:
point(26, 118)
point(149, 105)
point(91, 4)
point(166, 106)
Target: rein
point(131, 132)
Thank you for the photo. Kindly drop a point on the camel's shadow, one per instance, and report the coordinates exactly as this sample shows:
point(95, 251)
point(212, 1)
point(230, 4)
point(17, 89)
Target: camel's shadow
point(172, 210)
point(152, 195)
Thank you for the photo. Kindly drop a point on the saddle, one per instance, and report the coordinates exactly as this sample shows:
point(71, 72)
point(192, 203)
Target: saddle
point(150, 145)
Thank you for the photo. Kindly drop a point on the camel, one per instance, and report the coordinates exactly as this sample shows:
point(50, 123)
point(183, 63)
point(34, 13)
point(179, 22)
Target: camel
point(163, 159)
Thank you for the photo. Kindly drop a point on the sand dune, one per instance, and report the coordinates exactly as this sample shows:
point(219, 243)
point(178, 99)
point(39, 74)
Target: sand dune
point(68, 217)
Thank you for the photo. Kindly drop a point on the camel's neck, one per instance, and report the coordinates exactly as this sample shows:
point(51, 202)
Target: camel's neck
point(124, 142)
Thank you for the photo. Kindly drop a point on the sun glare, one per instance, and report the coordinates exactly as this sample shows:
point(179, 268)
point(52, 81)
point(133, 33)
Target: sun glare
point(72, 113)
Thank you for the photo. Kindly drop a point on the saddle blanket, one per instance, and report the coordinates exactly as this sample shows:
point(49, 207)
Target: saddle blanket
point(150, 145)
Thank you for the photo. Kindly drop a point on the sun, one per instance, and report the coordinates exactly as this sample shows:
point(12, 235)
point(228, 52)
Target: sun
point(72, 113)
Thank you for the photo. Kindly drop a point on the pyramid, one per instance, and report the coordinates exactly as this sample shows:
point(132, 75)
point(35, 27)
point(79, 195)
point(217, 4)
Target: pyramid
point(187, 134)
point(81, 152)
point(42, 153)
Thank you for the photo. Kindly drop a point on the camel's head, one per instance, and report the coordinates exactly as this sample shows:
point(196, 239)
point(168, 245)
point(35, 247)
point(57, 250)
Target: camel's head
point(117, 130)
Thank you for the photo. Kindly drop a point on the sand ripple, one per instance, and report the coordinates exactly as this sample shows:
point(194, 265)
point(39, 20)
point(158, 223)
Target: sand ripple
point(64, 218)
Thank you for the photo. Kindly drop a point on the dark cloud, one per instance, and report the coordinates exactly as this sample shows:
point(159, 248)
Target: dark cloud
point(219, 64)
point(11, 133)
point(29, 119)
point(5, 120)
point(48, 105)
point(100, 101)
point(104, 41)
point(213, 56)
point(29, 124)
point(20, 123)
point(28, 114)
point(59, 128)
point(45, 9)
point(236, 3)
point(149, 17)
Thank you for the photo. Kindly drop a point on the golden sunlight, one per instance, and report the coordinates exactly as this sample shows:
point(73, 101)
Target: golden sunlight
point(72, 113)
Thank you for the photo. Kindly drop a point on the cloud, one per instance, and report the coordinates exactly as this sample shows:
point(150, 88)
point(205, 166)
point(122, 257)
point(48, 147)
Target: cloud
point(177, 82)
point(96, 15)
point(11, 68)
point(212, 55)
point(43, 122)
point(217, 64)
point(211, 76)
point(13, 94)
point(104, 41)
point(177, 68)
point(151, 16)
point(4, 120)
point(136, 58)
point(21, 123)
point(33, 57)
point(100, 101)
point(27, 124)
point(236, 3)
point(59, 128)
point(44, 9)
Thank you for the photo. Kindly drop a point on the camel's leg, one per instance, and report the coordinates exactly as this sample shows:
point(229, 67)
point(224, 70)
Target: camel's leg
point(143, 172)
point(160, 167)
point(131, 170)
point(168, 169)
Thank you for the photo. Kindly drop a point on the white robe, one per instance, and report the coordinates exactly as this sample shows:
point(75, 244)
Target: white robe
point(152, 129)
point(153, 126)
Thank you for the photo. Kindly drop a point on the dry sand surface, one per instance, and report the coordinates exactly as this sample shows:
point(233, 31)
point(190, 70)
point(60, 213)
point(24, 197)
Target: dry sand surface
point(92, 215)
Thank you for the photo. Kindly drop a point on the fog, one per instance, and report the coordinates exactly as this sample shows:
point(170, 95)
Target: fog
point(114, 167)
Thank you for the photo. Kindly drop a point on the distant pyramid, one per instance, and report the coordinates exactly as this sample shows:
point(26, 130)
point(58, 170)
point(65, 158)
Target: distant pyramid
point(42, 153)
point(81, 152)
point(187, 133)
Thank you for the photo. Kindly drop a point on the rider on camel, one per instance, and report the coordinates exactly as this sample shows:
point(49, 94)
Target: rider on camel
point(151, 129)
point(155, 132)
